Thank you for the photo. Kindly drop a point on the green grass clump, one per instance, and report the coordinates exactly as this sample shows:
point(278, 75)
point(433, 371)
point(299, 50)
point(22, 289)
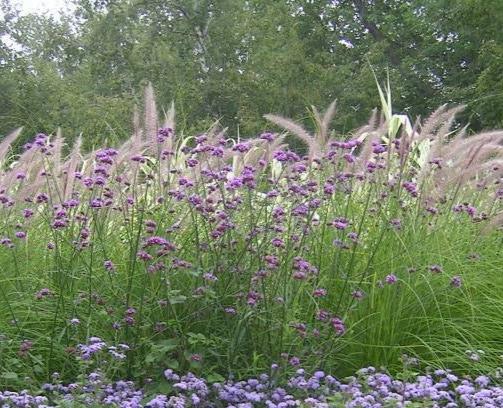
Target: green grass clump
point(226, 258)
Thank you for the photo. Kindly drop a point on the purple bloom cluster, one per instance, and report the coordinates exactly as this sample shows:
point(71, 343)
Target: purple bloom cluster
point(368, 389)
point(95, 345)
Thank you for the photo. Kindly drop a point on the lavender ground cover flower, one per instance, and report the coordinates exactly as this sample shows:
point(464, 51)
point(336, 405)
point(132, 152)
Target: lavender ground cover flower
point(368, 388)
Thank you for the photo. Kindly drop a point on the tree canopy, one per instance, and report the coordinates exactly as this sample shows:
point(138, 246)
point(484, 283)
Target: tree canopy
point(236, 60)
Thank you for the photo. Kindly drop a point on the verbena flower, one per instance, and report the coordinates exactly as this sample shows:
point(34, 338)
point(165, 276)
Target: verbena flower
point(391, 279)
point(241, 147)
point(319, 292)
point(456, 281)
point(109, 265)
point(42, 293)
point(25, 347)
point(338, 326)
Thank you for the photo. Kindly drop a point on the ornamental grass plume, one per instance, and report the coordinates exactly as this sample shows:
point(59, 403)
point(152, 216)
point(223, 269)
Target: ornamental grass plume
point(5, 145)
point(442, 159)
point(70, 167)
point(312, 142)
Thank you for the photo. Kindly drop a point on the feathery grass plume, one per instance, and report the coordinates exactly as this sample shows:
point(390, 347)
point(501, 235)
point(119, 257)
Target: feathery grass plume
point(70, 167)
point(367, 139)
point(432, 134)
point(431, 124)
point(122, 162)
point(372, 125)
point(323, 134)
point(481, 153)
point(54, 165)
point(219, 135)
point(465, 160)
point(215, 133)
point(150, 119)
point(178, 159)
point(362, 132)
point(440, 136)
point(406, 143)
point(435, 135)
point(470, 152)
point(297, 130)
point(29, 190)
point(445, 128)
point(252, 157)
point(6, 143)
point(56, 152)
point(137, 131)
point(276, 144)
point(493, 170)
point(484, 173)
point(169, 117)
point(22, 164)
point(458, 145)
point(323, 123)
point(374, 120)
point(460, 135)
point(29, 163)
point(317, 116)
point(476, 161)
point(366, 134)
point(32, 165)
point(169, 122)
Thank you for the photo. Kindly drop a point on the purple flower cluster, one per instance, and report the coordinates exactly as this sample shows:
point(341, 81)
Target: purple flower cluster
point(95, 345)
point(368, 389)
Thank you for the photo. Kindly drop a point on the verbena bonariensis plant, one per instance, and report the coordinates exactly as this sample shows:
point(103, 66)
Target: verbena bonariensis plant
point(227, 256)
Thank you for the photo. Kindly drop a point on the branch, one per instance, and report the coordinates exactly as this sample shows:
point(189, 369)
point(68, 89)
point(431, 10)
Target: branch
point(361, 10)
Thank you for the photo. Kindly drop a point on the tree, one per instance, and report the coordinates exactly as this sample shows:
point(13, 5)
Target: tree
point(235, 60)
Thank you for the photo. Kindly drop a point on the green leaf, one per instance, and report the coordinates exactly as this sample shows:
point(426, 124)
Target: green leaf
point(158, 351)
point(38, 369)
point(173, 364)
point(10, 375)
point(177, 299)
point(168, 344)
point(214, 377)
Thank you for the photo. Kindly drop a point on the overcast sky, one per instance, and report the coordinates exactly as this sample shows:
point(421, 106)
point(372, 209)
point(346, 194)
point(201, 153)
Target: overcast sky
point(40, 6)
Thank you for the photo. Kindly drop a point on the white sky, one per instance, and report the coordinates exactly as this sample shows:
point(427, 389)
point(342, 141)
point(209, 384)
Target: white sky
point(41, 6)
point(51, 7)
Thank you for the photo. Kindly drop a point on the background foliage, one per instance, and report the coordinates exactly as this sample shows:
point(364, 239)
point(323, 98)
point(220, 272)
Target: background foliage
point(237, 60)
